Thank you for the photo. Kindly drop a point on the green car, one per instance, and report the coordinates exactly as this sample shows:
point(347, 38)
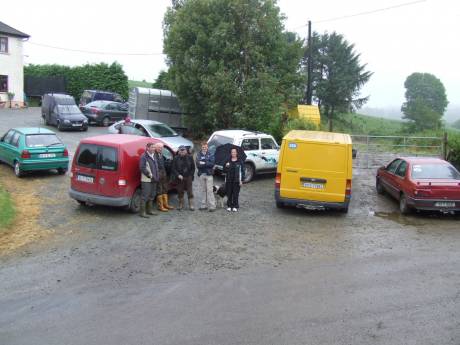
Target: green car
point(30, 149)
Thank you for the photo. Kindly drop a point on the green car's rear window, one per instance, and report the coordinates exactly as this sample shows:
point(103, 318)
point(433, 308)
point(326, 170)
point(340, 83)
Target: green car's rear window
point(39, 140)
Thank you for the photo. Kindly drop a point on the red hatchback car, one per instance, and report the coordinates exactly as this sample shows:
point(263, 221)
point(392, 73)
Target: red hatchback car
point(105, 170)
point(430, 184)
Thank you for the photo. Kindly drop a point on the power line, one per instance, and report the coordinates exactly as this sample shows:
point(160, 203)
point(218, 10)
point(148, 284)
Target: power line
point(364, 13)
point(92, 52)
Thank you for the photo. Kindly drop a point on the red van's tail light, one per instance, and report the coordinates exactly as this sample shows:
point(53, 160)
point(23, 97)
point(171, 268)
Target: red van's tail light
point(65, 153)
point(25, 154)
point(122, 182)
point(95, 111)
point(278, 180)
point(348, 188)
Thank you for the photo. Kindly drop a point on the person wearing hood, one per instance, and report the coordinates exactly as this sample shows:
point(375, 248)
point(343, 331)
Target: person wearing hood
point(183, 170)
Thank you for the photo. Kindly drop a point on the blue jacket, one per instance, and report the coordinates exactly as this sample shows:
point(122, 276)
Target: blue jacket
point(204, 163)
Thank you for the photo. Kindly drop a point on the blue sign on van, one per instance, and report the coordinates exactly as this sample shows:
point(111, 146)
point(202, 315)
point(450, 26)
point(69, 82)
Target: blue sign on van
point(292, 146)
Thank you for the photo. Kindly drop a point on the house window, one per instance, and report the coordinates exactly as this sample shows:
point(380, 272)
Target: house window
point(3, 83)
point(3, 44)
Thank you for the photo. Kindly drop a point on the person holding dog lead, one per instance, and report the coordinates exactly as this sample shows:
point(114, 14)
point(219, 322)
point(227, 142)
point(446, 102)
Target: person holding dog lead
point(183, 170)
point(205, 167)
point(234, 177)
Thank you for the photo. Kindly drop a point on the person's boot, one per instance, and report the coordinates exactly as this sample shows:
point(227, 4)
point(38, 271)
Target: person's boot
point(149, 207)
point(142, 210)
point(160, 204)
point(181, 204)
point(190, 204)
point(166, 203)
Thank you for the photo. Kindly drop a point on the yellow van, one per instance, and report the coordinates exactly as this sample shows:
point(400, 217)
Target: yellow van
point(314, 170)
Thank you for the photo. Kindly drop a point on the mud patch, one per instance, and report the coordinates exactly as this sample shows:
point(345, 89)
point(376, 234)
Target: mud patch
point(25, 227)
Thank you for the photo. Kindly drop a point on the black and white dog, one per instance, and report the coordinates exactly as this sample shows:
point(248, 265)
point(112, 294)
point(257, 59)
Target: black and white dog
point(219, 194)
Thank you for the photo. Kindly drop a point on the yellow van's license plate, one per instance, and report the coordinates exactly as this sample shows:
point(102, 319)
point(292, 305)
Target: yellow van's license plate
point(313, 185)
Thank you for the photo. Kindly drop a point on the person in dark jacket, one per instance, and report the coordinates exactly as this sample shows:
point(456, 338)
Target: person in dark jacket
point(183, 170)
point(205, 170)
point(163, 185)
point(234, 177)
point(149, 180)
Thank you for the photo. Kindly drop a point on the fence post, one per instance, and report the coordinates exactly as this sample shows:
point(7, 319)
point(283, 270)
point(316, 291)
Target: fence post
point(367, 150)
point(444, 146)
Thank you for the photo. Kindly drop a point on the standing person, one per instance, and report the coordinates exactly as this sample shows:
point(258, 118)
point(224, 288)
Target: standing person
point(234, 177)
point(149, 180)
point(205, 167)
point(163, 185)
point(183, 170)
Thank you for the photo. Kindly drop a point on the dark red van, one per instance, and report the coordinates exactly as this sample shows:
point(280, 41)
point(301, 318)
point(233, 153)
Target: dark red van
point(105, 170)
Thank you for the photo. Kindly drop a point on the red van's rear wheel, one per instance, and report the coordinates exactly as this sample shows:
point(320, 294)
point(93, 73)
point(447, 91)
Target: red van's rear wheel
point(135, 204)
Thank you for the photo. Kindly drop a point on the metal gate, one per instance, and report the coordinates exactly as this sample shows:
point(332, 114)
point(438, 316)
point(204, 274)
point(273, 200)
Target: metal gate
point(373, 151)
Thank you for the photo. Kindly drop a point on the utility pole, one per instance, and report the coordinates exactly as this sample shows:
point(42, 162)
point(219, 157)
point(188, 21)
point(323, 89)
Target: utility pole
point(310, 65)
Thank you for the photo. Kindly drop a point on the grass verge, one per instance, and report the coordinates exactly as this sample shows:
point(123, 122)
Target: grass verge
point(7, 211)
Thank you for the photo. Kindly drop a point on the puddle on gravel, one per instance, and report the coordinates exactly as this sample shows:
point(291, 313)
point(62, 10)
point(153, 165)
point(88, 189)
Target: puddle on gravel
point(397, 217)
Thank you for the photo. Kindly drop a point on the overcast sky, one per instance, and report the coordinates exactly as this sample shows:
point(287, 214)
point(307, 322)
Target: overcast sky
point(422, 37)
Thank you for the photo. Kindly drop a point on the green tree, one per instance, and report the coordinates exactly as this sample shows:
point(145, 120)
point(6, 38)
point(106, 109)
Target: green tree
point(162, 81)
point(426, 101)
point(231, 62)
point(337, 75)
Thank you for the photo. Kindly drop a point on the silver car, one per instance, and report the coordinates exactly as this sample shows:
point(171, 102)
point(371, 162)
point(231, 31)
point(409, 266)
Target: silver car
point(153, 129)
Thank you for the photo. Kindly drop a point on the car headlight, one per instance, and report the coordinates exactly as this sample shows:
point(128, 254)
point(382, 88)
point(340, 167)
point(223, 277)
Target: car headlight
point(85, 121)
point(66, 121)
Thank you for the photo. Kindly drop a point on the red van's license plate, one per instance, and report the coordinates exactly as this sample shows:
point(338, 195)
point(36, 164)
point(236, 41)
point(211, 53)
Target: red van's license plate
point(87, 179)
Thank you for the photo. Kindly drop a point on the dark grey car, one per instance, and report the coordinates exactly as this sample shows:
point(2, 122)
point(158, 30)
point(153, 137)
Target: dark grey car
point(105, 112)
point(61, 111)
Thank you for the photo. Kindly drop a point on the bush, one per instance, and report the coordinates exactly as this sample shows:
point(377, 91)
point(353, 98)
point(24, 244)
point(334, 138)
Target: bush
point(453, 149)
point(300, 124)
point(90, 76)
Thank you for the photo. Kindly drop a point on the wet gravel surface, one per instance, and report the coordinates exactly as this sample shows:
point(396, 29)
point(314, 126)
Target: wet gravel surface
point(96, 251)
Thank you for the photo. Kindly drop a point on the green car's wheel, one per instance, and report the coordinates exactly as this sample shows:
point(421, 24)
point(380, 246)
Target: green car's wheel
point(17, 169)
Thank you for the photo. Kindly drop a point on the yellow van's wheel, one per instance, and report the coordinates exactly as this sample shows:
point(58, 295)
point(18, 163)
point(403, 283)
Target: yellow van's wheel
point(279, 204)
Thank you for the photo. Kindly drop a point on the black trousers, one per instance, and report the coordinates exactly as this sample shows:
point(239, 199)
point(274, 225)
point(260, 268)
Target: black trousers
point(185, 185)
point(233, 192)
point(149, 191)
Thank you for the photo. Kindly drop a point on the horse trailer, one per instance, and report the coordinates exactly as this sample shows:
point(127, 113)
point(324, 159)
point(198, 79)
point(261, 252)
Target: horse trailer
point(155, 104)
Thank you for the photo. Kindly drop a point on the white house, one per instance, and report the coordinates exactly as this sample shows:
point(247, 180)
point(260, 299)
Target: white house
point(11, 65)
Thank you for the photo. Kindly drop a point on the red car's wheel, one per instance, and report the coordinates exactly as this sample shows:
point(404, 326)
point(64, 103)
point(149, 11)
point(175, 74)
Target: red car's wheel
point(403, 207)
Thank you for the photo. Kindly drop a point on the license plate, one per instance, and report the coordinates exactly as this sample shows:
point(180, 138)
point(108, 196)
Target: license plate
point(46, 155)
point(313, 185)
point(444, 204)
point(87, 179)
point(76, 124)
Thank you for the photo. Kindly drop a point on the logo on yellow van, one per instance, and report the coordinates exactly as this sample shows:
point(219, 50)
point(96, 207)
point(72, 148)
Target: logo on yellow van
point(292, 146)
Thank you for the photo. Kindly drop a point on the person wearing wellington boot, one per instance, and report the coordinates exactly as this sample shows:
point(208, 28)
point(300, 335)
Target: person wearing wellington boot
point(183, 170)
point(149, 181)
point(163, 185)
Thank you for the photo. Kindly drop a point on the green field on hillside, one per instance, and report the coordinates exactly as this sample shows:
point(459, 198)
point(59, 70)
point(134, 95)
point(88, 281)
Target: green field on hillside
point(364, 124)
point(138, 83)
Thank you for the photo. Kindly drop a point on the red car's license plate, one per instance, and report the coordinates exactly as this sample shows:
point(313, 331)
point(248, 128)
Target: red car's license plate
point(444, 204)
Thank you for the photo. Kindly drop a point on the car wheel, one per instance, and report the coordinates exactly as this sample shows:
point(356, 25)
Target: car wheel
point(135, 204)
point(379, 187)
point(82, 203)
point(106, 121)
point(403, 207)
point(17, 169)
point(279, 204)
point(62, 171)
point(248, 172)
point(84, 129)
point(59, 126)
point(344, 210)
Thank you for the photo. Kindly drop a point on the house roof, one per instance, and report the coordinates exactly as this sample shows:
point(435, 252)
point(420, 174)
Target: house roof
point(8, 30)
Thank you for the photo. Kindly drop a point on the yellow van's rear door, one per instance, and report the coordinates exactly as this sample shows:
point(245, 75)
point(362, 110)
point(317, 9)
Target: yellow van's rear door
point(314, 171)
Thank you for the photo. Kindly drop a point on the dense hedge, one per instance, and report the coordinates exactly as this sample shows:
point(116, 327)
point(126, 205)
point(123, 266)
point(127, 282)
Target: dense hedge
point(90, 76)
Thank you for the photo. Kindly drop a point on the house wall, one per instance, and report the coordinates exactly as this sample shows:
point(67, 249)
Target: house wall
point(12, 65)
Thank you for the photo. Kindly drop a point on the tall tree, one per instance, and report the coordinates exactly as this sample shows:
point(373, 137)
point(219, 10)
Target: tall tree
point(230, 62)
point(338, 75)
point(426, 101)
